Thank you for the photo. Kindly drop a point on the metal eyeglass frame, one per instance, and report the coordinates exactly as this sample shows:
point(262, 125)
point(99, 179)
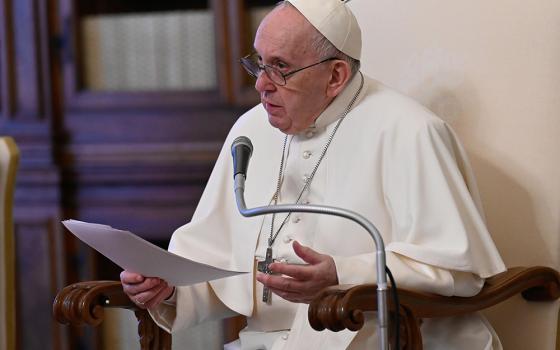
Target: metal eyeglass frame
point(250, 65)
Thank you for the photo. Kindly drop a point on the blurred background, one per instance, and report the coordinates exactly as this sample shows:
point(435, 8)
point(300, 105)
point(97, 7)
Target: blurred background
point(120, 108)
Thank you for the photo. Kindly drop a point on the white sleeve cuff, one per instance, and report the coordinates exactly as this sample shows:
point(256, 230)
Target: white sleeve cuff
point(189, 306)
point(409, 274)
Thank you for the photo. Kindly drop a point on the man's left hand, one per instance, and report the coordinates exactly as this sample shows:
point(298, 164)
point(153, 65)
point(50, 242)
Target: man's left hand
point(300, 283)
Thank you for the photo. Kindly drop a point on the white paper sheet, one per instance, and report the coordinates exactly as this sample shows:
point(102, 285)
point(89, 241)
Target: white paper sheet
point(138, 255)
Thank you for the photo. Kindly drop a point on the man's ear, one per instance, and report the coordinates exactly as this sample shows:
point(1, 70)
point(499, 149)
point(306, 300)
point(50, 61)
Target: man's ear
point(340, 75)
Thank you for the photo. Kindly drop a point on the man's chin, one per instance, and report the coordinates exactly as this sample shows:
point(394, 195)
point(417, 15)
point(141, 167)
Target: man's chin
point(278, 123)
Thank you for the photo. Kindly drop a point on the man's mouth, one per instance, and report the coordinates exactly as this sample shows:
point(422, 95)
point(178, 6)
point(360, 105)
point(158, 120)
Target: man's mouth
point(270, 106)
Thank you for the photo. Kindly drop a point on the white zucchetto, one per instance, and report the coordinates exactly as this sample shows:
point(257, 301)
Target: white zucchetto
point(335, 21)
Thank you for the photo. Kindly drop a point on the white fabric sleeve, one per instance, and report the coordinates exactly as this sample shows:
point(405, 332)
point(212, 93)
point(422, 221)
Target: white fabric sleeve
point(172, 299)
point(409, 274)
point(189, 306)
point(428, 188)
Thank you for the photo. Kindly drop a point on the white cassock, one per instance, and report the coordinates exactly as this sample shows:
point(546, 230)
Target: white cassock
point(392, 161)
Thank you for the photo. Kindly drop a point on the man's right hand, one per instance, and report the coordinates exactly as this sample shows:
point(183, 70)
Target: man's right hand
point(146, 292)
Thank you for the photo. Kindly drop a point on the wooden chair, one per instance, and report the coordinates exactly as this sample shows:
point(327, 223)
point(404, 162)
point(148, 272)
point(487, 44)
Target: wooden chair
point(84, 303)
point(335, 308)
point(342, 307)
point(9, 158)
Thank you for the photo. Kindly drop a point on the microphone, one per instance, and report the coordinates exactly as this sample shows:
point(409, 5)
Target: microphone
point(241, 151)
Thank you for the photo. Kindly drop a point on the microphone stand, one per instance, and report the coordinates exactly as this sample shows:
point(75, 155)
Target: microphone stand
point(382, 312)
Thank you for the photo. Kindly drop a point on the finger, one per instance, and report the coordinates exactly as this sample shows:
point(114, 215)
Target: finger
point(294, 297)
point(307, 254)
point(136, 288)
point(131, 277)
point(299, 272)
point(139, 303)
point(146, 285)
point(143, 299)
point(285, 284)
point(290, 296)
point(159, 297)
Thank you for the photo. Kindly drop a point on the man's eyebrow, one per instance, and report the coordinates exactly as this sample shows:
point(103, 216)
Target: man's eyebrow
point(275, 58)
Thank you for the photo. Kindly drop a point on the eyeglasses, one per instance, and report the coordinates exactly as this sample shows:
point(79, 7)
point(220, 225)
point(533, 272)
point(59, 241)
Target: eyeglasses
point(254, 68)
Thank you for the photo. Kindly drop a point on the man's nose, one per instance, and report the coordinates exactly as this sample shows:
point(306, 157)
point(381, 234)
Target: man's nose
point(263, 83)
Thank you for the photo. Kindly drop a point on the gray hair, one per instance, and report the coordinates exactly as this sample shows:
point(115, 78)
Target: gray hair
point(325, 48)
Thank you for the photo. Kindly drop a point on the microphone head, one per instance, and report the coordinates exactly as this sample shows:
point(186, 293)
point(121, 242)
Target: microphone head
point(242, 141)
point(241, 151)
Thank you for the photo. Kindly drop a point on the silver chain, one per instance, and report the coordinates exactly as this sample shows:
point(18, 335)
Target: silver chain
point(273, 235)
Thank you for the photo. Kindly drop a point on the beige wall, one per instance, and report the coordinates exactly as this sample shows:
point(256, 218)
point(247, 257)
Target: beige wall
point(492, 70)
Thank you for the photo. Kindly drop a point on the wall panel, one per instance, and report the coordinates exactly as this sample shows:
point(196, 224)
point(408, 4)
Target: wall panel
point(491, 69)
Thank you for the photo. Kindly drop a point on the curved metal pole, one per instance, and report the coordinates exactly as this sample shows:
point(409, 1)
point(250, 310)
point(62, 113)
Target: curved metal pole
point(382, 311)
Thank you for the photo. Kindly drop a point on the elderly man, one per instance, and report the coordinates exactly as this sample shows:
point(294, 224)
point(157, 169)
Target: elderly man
point(341, 139)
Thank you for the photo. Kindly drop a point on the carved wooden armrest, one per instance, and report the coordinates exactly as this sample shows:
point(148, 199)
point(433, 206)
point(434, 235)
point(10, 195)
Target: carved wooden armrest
point(341, 307)
point(84, 303)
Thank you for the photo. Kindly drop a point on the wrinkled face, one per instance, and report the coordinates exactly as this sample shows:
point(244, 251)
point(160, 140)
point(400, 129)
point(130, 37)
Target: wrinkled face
point(283, 41)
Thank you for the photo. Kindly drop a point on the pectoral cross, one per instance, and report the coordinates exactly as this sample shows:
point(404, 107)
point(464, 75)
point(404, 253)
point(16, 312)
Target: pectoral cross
point(262, 266)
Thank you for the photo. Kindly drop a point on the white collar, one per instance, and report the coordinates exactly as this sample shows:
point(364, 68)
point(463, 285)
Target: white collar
point(336, 108)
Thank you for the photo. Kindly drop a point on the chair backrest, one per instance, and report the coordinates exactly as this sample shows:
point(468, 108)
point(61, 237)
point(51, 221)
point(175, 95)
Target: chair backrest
point(9, 157)
point(491, 71)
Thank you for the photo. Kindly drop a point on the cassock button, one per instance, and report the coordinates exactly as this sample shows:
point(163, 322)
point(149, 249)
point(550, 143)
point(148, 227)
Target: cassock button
point(305, 178)
point(287, 239)
point(285, 336)
point(306, 154)
point(309, 134)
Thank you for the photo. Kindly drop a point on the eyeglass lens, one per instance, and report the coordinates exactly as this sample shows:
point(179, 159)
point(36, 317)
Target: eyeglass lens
point(252, 67)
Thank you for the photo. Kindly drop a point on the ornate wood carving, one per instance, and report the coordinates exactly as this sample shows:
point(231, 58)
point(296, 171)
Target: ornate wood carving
point(342, 307)
point(84, 303)
point(151, 336)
